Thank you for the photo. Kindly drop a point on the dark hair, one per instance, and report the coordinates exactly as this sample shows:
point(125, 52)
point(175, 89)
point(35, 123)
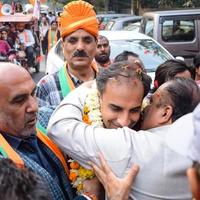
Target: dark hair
point(122, 69)
point(184, 95)
point(196, 61)
point(20, 184)
point(168, 70)
point(124, 56)
point(101, 37)
point(54, 22)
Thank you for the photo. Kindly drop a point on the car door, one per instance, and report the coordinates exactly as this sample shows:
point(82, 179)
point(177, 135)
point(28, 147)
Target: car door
point(179, 35)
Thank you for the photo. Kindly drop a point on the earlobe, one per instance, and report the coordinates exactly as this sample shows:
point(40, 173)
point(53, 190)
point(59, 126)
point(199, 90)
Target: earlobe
point(167, 115)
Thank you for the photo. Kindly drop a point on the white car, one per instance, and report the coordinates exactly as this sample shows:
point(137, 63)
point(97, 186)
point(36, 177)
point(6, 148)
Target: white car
point(150, 52)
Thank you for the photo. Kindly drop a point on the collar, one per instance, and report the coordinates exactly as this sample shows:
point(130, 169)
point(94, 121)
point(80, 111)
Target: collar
point(16, 141)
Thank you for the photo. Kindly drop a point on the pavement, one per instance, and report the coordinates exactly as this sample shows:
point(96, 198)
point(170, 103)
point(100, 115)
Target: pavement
point(37, 76)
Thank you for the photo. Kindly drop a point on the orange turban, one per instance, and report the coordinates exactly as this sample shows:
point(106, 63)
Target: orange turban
point(78, 15)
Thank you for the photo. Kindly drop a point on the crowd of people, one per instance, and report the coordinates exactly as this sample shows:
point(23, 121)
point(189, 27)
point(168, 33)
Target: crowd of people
point(95, 129)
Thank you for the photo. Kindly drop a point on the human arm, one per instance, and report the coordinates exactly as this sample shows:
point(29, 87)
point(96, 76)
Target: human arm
point(116, 188)
point(83, 142)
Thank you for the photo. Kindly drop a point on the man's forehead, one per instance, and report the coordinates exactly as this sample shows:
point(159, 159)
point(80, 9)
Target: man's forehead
point(80, 33)
point(102, 41)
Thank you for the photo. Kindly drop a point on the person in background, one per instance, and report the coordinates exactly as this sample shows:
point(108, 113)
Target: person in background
point(102, 56)
point(51, 37)
point(44, 27)
point(20, 183)
point(4, 46)
point(130, 57)
point(170, 69)
point(5, 37)
point(27, 39)
point(196, 63)
point(12, 34)
point(51, 17)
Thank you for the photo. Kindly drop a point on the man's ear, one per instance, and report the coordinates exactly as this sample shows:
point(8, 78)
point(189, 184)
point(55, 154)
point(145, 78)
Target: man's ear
point(166, 117)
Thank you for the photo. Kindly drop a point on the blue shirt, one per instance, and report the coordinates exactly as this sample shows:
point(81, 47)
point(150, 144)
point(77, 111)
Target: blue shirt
point(31, 147)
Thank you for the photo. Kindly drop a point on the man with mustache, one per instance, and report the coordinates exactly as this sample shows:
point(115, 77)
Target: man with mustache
point(162, 171)
point(79, 31)
point(102, 56)
point(19, 139)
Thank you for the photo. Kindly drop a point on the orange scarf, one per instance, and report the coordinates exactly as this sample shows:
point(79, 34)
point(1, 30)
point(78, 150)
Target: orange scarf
point(52, 41)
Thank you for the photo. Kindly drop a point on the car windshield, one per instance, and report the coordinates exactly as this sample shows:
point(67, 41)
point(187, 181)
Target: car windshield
point(150, 52)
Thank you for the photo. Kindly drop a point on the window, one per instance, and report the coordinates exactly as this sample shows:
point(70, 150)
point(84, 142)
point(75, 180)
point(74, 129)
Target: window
point(149, 27)
point(174, 30)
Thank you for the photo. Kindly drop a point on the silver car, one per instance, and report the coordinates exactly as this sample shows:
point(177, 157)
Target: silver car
point(150, 52)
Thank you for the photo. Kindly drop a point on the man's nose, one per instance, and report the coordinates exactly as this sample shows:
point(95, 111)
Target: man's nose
point(32, 105)
point(80, 46)
point(124, 119)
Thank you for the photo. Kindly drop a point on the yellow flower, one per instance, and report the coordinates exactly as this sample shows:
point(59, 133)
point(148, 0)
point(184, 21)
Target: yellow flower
point(79, 187)
point(86, 109)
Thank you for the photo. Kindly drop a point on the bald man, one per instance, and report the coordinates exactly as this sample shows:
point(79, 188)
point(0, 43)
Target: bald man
point(19, 139)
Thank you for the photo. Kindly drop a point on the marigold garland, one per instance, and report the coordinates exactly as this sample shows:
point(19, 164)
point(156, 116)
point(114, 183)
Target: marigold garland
point(91, 115)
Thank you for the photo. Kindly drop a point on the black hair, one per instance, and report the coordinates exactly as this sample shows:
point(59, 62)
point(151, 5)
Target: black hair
point(20, 183)
point(124, 56)
point(122, 69)
point(168, 70)
point(196, 61)
point(184, 95)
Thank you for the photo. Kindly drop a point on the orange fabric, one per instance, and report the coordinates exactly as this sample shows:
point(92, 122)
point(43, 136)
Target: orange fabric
point(53, 148)
point(11, 152)
point(78, 15)
point(50, 41)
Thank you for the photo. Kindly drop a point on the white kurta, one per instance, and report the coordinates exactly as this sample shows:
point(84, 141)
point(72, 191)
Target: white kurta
point(162, 171)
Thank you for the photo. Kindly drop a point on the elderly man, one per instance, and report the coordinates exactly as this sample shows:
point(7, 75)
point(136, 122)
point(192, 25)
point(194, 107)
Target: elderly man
point(19, 139)
point(79, 30)
point(162, 172)
point(102, 56)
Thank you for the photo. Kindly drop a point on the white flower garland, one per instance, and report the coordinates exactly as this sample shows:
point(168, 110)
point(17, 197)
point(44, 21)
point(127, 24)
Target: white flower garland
point(92, 107)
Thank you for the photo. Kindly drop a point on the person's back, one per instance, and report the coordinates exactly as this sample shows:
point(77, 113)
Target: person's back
point(162, 171)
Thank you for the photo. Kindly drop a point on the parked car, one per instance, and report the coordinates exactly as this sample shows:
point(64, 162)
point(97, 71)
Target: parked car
point(133, 27)
point(121, 23)
point(177, 30)
point(151, 52)
point(105, 18)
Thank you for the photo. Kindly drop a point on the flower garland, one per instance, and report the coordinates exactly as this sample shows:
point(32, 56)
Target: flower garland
point(91, 115)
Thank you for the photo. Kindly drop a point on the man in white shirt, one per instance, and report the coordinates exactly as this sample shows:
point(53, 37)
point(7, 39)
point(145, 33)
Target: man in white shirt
point(27, 39)
point(162, 171)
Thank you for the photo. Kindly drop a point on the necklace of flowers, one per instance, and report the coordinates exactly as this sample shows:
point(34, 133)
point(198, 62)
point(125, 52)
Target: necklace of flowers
point(91, 115)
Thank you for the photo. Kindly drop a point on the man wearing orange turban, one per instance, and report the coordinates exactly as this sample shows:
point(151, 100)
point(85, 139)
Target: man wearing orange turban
point(79, 31)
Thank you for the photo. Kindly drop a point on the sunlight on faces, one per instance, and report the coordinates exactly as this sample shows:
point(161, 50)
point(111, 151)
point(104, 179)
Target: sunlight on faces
point(18, 106)
point(79, 40)
point(155, 112)
point(121, 102)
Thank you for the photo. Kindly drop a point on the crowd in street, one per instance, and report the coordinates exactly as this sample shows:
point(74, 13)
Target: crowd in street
point(96, 128)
